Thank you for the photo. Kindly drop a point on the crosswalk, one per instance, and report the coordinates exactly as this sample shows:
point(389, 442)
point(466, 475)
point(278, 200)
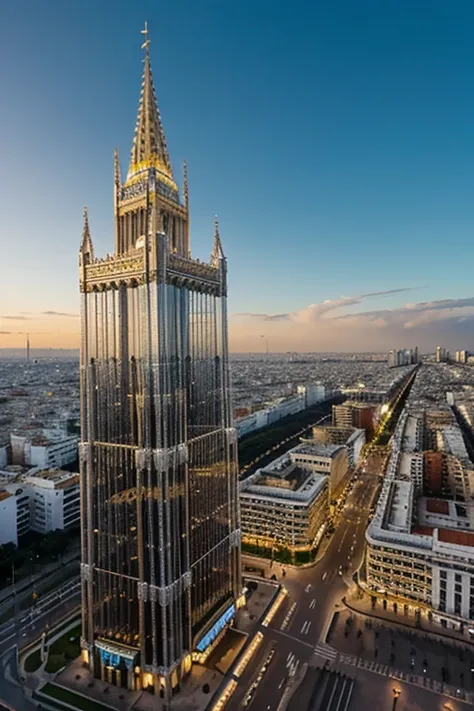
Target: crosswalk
point(325, 651)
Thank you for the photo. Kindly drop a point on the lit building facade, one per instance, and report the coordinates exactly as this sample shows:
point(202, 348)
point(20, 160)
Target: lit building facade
point(160, 567)
point(284, 507)
point(420, 543)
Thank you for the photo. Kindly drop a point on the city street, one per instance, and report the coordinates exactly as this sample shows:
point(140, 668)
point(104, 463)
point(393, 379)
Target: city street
point(28, 625)
point(314, 593)
point(27, 628)
point(298, 631)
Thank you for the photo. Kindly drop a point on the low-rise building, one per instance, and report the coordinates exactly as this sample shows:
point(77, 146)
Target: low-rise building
point(352, 437)
point(420, 547)
point(284, 507)
point(329, 459)
point(49, 450)
point(14, 515)
point(54, 500)
point(33, 500)
point(356, 414)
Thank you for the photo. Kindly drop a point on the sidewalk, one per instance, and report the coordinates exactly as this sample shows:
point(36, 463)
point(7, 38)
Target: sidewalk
point(272, 565)
point(363, 606)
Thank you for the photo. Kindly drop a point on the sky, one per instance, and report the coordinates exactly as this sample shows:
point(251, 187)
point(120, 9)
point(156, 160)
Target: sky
point(334, 140)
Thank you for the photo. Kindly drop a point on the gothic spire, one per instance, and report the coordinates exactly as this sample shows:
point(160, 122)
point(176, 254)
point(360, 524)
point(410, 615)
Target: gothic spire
point(87, 248)
point(149, 142)
point(217, 252)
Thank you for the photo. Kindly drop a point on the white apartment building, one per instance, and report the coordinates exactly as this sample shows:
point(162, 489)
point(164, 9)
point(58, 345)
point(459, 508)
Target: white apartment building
point(352, 437)
point(313, 393)
point(54, 500)
point(46, 452)
point(40, 501)
point(14, 515)
point(329, 459)
point(421, 549)
point(3, 456)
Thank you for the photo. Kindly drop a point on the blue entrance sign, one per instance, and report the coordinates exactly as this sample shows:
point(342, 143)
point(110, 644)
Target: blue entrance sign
point(218, 626)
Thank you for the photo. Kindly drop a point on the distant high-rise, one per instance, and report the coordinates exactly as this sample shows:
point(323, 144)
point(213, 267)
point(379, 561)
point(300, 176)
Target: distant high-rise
point(160, 568)
point(27, 347)
point(397, 358)
point(441, 354)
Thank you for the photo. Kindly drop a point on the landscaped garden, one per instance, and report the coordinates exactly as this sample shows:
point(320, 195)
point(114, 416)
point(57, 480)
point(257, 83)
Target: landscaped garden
point(64, 650)
point(72, 699)
point(33, 661)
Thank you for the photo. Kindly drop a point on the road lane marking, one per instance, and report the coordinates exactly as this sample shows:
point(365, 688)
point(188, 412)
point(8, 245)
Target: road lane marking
point(302, 631)
point(342, 541)
point(312, 604)
point(290, 636)
point(284, 624)
point(325, 651)
point(308, 587)
point(307, 629)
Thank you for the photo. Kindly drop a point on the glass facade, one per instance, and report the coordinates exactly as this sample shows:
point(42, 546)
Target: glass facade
point(161, 539)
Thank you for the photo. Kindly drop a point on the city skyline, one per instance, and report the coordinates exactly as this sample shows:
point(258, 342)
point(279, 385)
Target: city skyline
point(376, 198)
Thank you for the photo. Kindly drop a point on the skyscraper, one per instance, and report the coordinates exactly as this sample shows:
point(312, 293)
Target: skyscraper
point(160, 568)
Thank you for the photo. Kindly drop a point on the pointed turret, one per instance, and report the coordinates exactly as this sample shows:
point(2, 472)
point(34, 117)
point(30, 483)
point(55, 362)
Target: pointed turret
point(86, 253)
point(217, 253)
point(117, 176)
point(149, 143)
point(185, 185)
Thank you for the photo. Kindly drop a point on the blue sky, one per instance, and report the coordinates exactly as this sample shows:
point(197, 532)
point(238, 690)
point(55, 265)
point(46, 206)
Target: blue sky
point(334, 141)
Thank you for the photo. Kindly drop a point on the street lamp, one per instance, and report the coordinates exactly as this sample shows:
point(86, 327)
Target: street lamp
point(396, 694)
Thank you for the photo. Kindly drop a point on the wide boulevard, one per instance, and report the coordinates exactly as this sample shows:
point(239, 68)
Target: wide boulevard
point(298, 630)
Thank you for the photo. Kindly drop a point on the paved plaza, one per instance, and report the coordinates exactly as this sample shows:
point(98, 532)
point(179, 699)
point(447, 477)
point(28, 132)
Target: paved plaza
point(374, 692)
point(412, 652)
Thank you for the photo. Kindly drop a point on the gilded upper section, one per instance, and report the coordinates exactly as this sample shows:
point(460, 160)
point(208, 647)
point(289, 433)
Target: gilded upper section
point(149, 148)
point(110, 271)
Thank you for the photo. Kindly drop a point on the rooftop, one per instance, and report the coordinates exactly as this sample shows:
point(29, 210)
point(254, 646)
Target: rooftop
point(53, 478)
point(317, 449)
point(4, 494)
point(303, 488)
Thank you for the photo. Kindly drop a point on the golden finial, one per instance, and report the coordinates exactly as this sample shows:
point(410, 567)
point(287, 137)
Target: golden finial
point(147, 41)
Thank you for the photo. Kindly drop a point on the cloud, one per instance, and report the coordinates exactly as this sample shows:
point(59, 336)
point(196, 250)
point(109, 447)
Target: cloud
point(314, 312)
point(320, 327)
point(59, 313)
point(29, 315)
point(17, 318)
